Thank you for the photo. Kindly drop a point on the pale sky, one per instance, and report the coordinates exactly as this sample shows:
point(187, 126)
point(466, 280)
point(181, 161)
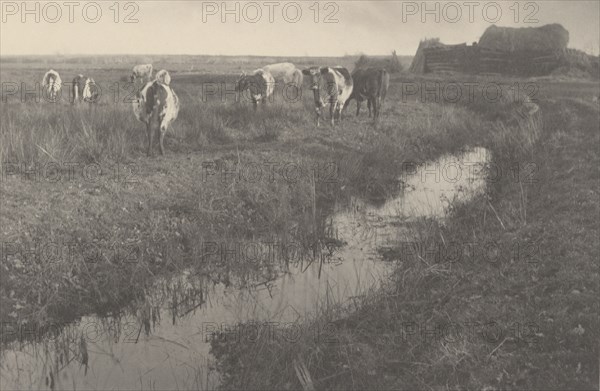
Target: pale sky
point(370, 27)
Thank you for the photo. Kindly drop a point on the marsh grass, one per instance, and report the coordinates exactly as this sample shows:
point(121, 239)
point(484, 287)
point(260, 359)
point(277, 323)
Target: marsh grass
point(392, 341)
point(172, 209)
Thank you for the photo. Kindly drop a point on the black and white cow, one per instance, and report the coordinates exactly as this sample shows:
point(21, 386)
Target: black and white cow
point(260, 84)
point(52, 83)
point(84, 89)
point(370, 84)
point(338, 88)
point(157, 106)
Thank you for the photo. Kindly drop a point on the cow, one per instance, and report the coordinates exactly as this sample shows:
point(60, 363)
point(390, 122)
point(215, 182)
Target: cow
point(84, 89)
point(261, 85)
point(339, 86)
point(52, 84)
point(371, 84)
point(141, 72)
point(157, 106)
point(285, 72)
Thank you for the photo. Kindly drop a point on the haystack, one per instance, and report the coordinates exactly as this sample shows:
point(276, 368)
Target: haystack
point(550, 37)
point(418, 63)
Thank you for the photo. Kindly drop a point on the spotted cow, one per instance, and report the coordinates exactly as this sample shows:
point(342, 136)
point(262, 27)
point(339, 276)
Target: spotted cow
point(338, 85)
point(84, 89)
point(52, 84)
point(260, 85)
point(157, 106)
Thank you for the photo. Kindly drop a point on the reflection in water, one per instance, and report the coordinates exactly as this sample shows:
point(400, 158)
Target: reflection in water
point(162, 340)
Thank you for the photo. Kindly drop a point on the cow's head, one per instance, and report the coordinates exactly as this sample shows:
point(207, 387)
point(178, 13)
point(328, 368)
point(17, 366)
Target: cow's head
point(314, 74)
point(163, 76)
point(240, 84)
point(91, 92)
point(255, 84)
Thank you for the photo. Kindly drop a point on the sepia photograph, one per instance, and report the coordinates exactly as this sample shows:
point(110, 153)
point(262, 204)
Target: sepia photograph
point(300, 195)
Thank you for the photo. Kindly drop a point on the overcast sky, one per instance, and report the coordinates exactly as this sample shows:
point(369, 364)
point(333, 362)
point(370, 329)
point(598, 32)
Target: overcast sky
point(195, 27)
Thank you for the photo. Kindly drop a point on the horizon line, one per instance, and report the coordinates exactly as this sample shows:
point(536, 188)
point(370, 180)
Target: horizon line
point(187, 54)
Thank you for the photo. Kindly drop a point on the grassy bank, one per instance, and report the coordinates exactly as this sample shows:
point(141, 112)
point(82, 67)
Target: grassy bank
point(517, 307)
point(84, 241)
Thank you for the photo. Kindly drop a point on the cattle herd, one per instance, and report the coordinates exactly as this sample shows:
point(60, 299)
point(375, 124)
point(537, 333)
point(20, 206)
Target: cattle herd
point(157, 105)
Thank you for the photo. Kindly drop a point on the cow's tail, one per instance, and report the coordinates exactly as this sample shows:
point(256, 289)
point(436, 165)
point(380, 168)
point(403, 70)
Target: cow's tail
point(155, 121)
point(75, 91)
point(384, 79)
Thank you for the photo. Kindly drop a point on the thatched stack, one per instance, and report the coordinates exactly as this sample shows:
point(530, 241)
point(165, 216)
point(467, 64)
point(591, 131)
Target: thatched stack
point(551, 37)
point(418, 64)
point(577, 63)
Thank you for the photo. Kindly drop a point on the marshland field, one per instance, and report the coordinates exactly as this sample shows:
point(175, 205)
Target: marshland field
point(453, 245)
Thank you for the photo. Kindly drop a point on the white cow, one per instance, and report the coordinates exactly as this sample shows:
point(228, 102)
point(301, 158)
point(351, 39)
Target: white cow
point(285, 72)
point(157, 106)
point(141, 72)
point(52, 84)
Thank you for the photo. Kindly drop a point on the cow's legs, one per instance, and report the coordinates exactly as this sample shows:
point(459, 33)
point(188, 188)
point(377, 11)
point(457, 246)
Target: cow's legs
point(318, 113)
point(372, 107)
point(332, 113)
point(161, 136)
point(358, 103)
point(149, 135)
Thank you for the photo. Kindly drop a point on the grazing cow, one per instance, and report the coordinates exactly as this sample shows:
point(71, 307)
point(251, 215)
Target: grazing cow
point(84, 90)
point(285, 72)
point(339, 86)
point(260, 84)
point(141, 72)
point(157, 106)
point(52, 83)
point(371, 84)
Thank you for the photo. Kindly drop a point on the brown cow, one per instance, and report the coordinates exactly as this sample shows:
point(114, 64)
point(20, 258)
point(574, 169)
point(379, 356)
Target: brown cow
point(371, 84)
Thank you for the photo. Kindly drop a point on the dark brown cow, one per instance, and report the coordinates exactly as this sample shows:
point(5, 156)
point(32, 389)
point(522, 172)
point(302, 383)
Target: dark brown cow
point(370, 84)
